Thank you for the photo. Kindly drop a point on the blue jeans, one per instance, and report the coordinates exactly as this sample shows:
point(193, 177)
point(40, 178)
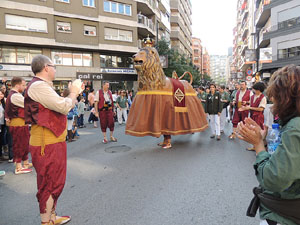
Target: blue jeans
point(80, 120)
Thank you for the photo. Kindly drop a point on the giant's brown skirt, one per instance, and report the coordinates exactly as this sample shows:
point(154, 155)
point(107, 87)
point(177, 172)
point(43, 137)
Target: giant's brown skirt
point(153, 113)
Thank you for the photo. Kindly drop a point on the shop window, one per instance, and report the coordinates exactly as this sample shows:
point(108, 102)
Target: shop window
point(18, 55)
point(64, 27)
point(77, 59)
point(23, 56)
point(26, 23)
point(9, 55)
point(87, 60)
point(89, 30)
point(72, 58)
point(107, 61)
point(67, 58)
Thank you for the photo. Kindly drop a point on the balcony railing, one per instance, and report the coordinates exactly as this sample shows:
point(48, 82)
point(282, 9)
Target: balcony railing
point(287, 24)
point(145, 21)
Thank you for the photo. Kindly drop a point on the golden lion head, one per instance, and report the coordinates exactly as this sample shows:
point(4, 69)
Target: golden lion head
point(150, 73)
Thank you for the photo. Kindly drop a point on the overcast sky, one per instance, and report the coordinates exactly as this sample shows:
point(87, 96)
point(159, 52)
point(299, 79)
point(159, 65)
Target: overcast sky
point(213, 22)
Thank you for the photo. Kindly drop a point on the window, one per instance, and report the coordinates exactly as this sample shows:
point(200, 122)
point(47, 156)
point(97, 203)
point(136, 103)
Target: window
point(115, 7)
point(77, 59)
point(65, 1)
point(121, 8)
point(26, 23)
point(107, 61)
point(128, 10)
point(17, 55)
point(289, 23)
point(106, 6)
point(289, 52)
point(90, 3)
point(117, 35)
point(68, 58)
point(87, 59)
point(89, 30)
point(64, 27)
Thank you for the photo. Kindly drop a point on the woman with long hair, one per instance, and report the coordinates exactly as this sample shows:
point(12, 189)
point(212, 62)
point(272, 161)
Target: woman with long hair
point(278, 197)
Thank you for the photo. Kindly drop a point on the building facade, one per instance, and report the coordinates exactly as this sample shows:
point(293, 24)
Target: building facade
point(181, 26)
point(243, 43)
point(206, 62)
point(87, 39)
point(218, 68)
point(197, 54)
point(281, 33)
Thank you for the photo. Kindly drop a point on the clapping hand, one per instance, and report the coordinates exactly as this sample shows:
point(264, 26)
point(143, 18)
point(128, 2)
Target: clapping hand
point(251, 132)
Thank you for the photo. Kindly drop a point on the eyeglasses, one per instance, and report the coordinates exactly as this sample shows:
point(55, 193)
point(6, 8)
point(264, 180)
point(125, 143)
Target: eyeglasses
point(51, 66)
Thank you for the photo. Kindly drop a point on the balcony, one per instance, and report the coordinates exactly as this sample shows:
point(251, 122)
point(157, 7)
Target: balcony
point(263, 40)
point(263, 13)
point(164, 6)
point(245, 28)
point(146, 7)
point(284, 28)
point(145, 25)
point(244, 46)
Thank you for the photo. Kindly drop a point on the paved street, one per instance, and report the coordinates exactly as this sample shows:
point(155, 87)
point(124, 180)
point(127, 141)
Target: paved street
point(199, 181)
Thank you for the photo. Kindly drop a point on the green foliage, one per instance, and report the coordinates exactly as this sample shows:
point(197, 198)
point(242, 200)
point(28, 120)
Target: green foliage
point(180, 63)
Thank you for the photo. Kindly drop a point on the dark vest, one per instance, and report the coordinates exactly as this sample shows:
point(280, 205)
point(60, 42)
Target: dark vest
point(256, 104)
point(246, 97)
point(102, 99)
point(36, 113)
point(11, 110)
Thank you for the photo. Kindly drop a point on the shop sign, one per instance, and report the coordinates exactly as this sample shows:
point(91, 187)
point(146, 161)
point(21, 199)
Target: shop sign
point(15, 67)
point(103, 76)
point(266, 75)
point(250, 56)
point(265, 55)
point(119, 71)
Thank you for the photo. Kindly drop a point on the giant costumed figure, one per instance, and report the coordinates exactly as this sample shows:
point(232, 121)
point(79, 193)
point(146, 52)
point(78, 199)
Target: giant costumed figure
point(162, 106)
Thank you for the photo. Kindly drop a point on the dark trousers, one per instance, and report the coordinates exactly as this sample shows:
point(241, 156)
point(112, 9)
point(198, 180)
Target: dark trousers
point(6, 139)
point(271, 222)
point(80, 120)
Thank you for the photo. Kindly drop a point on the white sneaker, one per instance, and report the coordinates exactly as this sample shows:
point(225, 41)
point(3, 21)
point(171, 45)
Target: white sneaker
point(2, 173)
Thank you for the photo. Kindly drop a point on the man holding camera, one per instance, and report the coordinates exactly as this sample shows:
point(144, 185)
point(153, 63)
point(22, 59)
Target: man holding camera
point(104, 108)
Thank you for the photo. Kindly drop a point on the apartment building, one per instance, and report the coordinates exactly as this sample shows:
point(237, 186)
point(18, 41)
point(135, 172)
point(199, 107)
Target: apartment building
point(218, 68)
point(87, 39)
point(181, 26)
point(244, 38)
point(279, 25)
point(197, 53)
point(206, 62)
